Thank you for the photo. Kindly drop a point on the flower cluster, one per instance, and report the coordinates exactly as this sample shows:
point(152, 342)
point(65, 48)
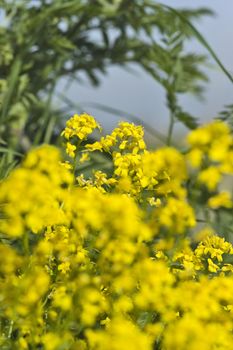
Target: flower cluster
point(78, 128)
point(121, 257)
point(211, 152)
point(127, 136)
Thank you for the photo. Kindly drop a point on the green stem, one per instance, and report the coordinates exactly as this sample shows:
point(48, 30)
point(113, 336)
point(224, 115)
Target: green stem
point(172, 106)
point(75, 158)
point(44, 117)
point(201, 39)
point(10, 329)
point(26, 243)
point(171, 128)
point(49, 130)
point(12, 85)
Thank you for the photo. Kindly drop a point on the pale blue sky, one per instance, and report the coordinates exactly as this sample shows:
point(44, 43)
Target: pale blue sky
point(142, 96)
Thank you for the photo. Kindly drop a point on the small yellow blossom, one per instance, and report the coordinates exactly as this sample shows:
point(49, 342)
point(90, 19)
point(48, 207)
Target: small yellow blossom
point(212, 267)
point(85, 157)
point(64, 267)
point(154, 202)
point(222, 199)
point(80, 126)
point(211, 177)
point(70, 149)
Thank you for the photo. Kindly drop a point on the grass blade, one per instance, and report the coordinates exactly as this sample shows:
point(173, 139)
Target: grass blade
point(12, 83)
point(201, 39)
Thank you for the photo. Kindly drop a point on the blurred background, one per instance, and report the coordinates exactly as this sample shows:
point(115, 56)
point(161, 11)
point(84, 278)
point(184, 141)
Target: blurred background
point(138, 94)
point(144, 61)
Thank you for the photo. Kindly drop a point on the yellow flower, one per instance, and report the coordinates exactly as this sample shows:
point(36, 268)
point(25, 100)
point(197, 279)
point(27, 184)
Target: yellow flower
point(85, 157)
point(64, 267)
point(176, 216)
point(222, 199)
point(154, 202)
point(70, 149)
point(80, 126)
point(212, 267)
point(210, 177)
point(195, 157)
point(61, 298)
point(120, 334)
point(115, 263)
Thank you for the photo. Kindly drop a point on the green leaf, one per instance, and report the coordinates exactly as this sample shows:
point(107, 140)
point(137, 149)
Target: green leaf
point(201, 39)
point(186, 119)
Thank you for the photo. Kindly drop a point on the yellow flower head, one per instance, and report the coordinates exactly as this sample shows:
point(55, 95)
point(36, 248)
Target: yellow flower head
point(80, 126)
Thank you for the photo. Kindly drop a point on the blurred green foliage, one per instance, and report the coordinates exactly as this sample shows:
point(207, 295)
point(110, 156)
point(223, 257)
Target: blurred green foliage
point(44, 41)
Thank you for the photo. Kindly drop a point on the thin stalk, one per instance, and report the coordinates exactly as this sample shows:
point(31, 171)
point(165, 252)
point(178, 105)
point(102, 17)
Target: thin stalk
point(26, 243)
point(75, 157)
point(12, 85)
point(45, 117)
point(170, 128)
point(172, 106)
point(49, 130)
point(201, 39)
point(10, 329)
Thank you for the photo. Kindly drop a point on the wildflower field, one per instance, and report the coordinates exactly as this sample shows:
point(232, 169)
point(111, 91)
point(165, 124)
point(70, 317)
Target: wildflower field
point(112, 241)
point(122, 258)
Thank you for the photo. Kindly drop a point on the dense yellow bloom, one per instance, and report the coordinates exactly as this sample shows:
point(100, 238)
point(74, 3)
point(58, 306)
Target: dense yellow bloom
point(223, 199)
point(211, 177)
point(176, 216)
point(215, 247)
point(38, 189)
point(127, 136)
point(209, 134)
point(125, 256)
point(121, 334)
point(80, 126)
point(195, 157)
point(211, 151)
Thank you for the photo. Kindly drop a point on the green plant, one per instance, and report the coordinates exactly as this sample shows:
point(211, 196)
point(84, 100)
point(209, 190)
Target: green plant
point(44, 41)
